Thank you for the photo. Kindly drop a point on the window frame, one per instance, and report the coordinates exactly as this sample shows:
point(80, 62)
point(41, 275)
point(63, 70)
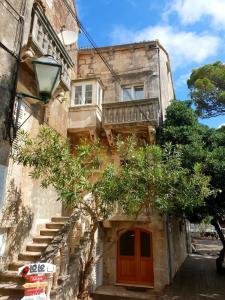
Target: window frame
point(96, 93)
point(132, 87)
point(83, 86)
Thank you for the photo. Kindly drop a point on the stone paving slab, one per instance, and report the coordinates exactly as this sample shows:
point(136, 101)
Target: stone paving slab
point(197, 280)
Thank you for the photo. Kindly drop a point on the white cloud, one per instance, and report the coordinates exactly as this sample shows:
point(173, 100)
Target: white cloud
point(191, 11)
point(183, 47)
point(221, 125)
point(182, 80)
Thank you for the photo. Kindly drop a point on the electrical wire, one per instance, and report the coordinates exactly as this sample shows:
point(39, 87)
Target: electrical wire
point(14, 10)
point(8, 50)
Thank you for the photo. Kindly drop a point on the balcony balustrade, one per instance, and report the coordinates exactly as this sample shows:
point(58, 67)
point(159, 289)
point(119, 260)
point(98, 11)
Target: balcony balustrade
point(44, 40)
point(131, 112)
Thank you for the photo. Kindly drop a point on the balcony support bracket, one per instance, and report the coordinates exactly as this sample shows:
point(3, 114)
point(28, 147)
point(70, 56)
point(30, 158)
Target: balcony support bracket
point(93, 135)
point(109, 136)
point(151, 134)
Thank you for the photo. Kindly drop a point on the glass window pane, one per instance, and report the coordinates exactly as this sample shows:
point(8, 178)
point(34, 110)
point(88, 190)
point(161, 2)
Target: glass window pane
point(78, 95)
point(88, 93)
point(127, 243)
point(127, 93)
point(145, 244)
point(139, 92)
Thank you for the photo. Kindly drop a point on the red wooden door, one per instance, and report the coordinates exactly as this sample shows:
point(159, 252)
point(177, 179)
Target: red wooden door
point(134, 258)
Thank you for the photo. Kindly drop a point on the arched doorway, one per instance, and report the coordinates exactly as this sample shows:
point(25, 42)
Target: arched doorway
point(135, 257)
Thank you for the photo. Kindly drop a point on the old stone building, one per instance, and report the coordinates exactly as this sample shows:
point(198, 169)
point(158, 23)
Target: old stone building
point(30, 30)
point(125, 90)
point(101, 93)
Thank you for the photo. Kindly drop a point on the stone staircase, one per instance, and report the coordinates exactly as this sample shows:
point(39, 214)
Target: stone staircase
point(11, 284)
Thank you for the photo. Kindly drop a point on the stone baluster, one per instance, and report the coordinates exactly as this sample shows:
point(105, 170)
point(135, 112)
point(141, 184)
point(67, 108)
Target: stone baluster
point(64, 263)
point(56, 261)
point(73, 239)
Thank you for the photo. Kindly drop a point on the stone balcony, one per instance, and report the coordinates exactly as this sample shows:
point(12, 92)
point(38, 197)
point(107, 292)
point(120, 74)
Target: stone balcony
point(134, 112)
point(140, 116)
point(44, 40)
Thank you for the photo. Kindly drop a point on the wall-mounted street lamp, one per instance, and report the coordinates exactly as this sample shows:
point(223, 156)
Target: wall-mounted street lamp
point(47, 73)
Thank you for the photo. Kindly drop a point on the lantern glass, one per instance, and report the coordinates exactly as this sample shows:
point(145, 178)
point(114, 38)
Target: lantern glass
point(47, 73)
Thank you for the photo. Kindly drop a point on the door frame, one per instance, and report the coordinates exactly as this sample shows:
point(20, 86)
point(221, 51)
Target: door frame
point(119, 234)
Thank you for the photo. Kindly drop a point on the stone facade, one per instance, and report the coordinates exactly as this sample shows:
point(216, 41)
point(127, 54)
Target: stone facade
point(145, 66)
point(142, 68)
point(25, 206)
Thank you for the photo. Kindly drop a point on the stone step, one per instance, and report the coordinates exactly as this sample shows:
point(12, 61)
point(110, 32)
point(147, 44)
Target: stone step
point(54, 225)
point(49, 232)
point(40, 239)
point(29, 256)
point(126, 292)
point(10, 276)
point(11, 289)
point(36, 247)
point(60, 219)
point(111, 297)
point(16, 265)
point(9, 297)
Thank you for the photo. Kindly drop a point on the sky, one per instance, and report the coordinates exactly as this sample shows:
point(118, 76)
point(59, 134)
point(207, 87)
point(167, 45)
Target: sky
point(192, 31)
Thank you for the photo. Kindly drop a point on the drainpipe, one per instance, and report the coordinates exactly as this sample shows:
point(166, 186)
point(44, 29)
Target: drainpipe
point(169, 249)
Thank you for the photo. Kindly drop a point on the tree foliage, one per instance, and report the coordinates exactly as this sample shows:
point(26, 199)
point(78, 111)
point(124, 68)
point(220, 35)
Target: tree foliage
point(149, 178)
point(207, 89)
point(199, 144)
point(207, 146)
point(153, 178)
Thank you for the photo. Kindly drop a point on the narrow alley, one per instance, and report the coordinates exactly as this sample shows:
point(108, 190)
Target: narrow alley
point(197, 278)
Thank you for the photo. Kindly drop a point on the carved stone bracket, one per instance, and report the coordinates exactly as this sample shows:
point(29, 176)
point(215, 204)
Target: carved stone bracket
point(109, 136)
point(151, 133)
point(93, 134)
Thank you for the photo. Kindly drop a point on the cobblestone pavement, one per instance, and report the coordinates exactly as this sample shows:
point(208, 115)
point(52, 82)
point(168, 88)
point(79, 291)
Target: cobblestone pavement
point(197, 279)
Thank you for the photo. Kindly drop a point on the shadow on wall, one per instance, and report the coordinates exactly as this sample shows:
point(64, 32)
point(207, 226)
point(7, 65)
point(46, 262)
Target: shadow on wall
point(18, 218)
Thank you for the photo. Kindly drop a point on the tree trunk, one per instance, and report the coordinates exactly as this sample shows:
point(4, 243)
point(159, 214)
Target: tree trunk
point(220, 259)
point(88, 267)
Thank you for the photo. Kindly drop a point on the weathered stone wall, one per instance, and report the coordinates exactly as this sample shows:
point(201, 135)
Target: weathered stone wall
point(134, 64)
point(9, 25)
point(167, 92)
point(178, 243)
point(26, 205)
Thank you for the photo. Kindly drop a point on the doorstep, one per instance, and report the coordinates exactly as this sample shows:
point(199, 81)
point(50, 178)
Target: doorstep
point(133, 285)
point(124, 292)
